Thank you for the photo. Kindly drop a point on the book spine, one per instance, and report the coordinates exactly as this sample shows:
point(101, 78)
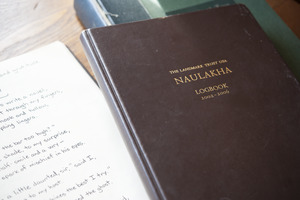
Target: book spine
point(150, 183)
point(91, 13)
point(124, 11)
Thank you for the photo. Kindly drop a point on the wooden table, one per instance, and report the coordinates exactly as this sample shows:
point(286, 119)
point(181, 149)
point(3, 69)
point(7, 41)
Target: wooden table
point(29, 24)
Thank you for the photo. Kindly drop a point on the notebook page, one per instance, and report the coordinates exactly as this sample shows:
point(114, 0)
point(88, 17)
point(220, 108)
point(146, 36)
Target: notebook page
point(58, 139)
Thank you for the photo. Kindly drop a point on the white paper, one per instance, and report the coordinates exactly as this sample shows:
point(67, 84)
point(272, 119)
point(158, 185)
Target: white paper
point(58, 139)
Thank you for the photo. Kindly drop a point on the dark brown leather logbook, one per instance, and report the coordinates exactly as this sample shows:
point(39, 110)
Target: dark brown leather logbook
point(206, 105)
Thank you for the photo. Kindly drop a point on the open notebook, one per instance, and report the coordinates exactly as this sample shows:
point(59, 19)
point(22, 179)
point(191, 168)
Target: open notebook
point(58, 139)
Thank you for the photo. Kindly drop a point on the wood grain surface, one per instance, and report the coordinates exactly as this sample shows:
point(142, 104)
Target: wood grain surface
point(28, 24)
